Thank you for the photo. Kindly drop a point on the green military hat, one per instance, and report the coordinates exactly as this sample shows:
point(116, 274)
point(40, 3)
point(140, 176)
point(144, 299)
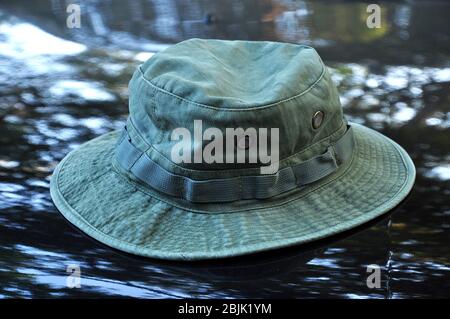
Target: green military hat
point(230, 148)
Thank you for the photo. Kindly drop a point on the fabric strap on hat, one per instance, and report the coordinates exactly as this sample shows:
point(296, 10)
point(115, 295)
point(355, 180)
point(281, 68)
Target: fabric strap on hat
point(148, 171)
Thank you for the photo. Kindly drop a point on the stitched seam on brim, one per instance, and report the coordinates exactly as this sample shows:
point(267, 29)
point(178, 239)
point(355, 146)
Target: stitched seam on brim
point(120, 244)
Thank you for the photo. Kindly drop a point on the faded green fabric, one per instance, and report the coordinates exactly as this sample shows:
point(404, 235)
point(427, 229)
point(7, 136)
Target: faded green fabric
point(234, 84)
point(229, 84)
point(262, 186)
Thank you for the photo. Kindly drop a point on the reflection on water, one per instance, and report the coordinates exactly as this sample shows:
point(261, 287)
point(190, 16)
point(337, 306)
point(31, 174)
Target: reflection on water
point(61, 87)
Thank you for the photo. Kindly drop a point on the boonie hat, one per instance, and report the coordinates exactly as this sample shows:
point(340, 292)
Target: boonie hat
point(230, 148)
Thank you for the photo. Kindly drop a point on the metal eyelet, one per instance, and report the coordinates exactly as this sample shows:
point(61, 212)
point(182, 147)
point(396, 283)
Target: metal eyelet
point(245, 142)
point(317, 119)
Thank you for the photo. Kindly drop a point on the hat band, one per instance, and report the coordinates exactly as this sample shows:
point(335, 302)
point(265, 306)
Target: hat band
point(231, 189)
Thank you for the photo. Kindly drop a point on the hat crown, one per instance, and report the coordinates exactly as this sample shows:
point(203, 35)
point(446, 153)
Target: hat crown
point(235, 84)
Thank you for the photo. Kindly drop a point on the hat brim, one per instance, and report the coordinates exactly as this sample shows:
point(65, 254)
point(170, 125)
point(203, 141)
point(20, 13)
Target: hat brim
point(92, 195)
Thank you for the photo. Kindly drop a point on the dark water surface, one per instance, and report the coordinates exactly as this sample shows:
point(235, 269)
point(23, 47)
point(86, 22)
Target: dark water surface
point(60, 87)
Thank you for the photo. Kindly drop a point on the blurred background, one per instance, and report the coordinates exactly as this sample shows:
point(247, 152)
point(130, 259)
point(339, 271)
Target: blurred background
point(61, 86)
